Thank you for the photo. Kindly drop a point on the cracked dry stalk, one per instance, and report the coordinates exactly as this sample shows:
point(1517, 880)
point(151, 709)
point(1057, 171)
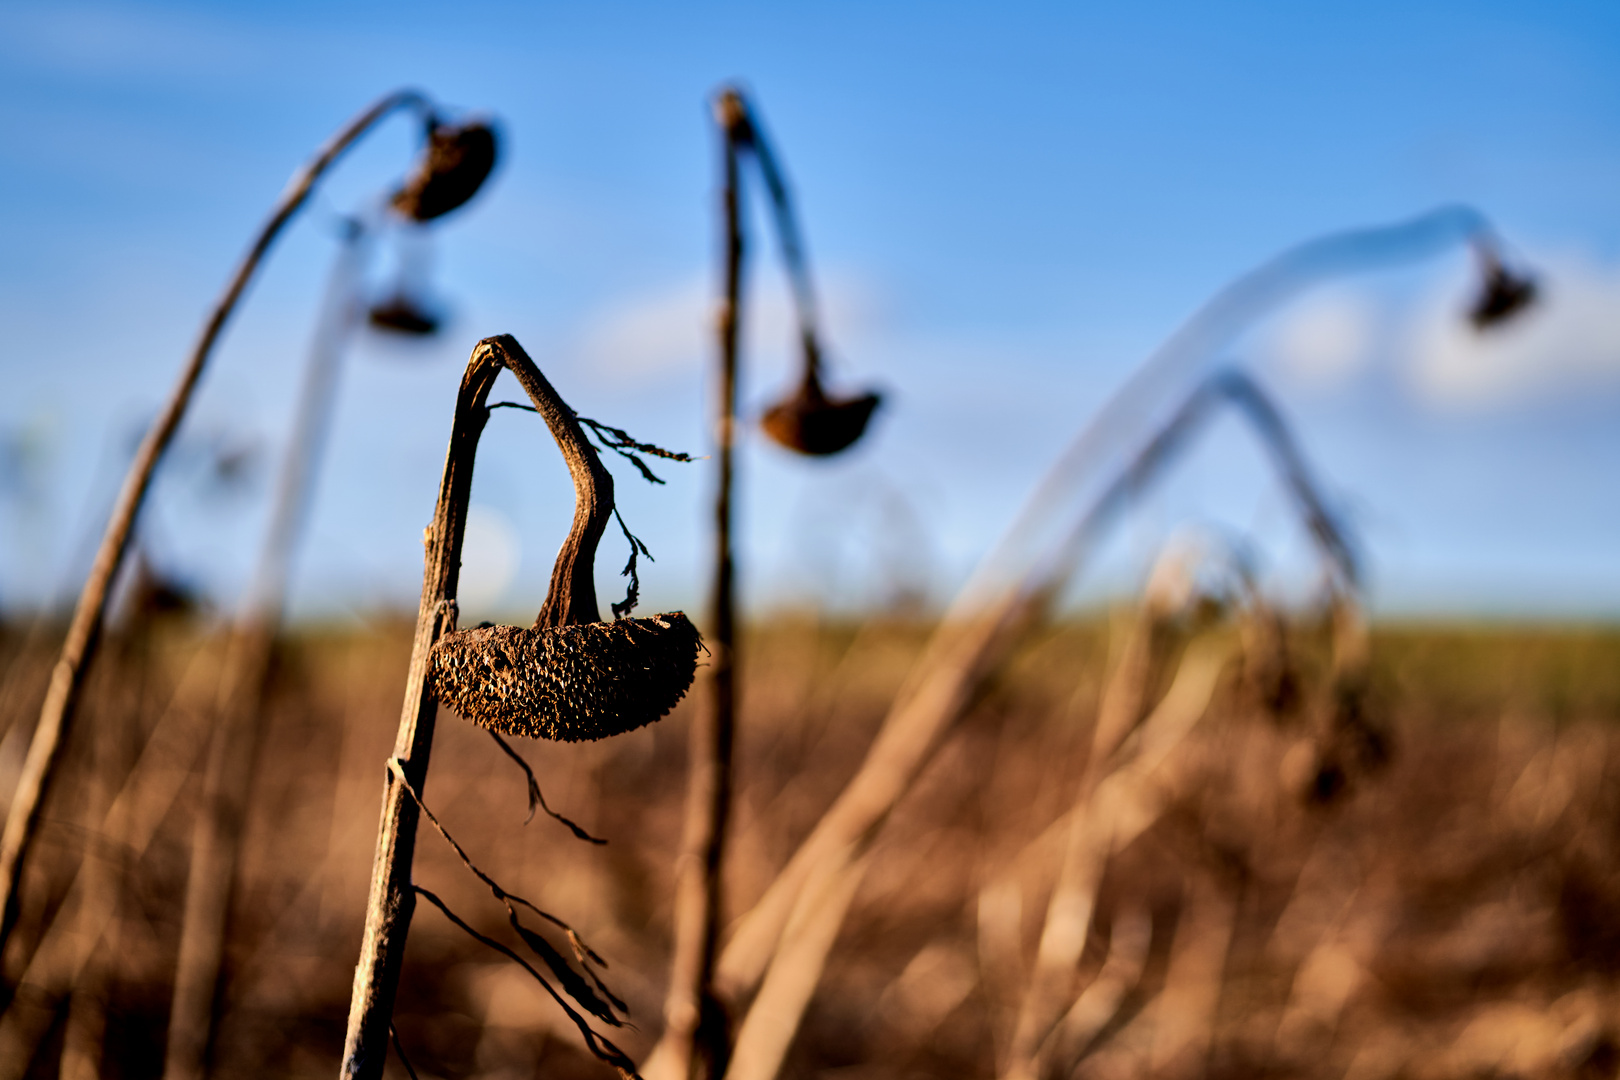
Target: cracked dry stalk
point(572, 599)
point(84, 631)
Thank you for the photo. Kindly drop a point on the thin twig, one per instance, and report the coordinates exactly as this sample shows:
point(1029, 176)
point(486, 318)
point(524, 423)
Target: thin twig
point(576, 987)
point(618, 440)
point(536, 797)
point(400, 1050)
point(621, 443)
point(599, 1045)
point(632, 595)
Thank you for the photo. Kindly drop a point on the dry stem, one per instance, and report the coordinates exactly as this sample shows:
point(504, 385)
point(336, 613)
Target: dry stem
point(694, 1019)
point(233, 745)
point(964, 649)
point(84, 631)
point(388, 913)
point(1068, 916)
point(984, 619)
point(147, 794)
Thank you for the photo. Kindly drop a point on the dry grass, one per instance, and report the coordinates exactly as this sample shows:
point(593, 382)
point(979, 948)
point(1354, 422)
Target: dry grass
point(1455, 914)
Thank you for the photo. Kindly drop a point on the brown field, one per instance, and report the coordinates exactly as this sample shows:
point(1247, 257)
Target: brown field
point(1445, 903)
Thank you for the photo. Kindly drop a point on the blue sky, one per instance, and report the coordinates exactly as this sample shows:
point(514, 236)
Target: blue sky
point(1009, 207)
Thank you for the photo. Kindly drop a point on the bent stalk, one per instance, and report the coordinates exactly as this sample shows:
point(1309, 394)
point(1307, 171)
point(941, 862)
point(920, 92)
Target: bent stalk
point(392, 899)
point(232, 748)
point(965, 648)
point(84, 631)
point(1012, 582)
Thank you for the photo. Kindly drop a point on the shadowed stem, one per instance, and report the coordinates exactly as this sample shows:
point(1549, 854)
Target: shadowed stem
point(694, 1018)
point(745, 132)
point(571, 599)
point(392, 899)
point(84, 631)
point(238, 718)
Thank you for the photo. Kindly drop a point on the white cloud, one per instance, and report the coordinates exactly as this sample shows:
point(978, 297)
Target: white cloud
point(1568, 342)
point(652, 335)
point(669, 331)
point(105, 40)
point(1324, 339)
point(490, 553)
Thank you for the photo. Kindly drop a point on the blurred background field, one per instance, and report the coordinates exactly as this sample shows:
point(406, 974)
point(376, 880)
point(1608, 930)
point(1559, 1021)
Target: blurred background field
point(1452, 911)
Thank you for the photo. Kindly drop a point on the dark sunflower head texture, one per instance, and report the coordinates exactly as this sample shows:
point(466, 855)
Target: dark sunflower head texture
point(567, 683)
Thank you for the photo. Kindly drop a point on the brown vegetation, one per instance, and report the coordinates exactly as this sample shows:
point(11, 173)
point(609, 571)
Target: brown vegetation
point(1452, 914)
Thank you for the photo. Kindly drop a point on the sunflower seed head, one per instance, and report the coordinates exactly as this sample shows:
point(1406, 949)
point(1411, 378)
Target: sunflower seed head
point(567, 683)
point(812, 423)
point(403, 314)
point(459, 158)
point(1503, 294)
